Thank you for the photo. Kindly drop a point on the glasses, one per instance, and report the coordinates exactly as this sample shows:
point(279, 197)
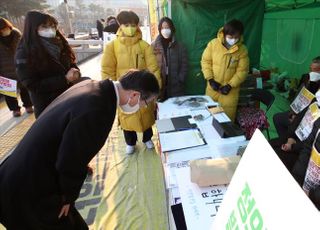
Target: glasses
point(145, 102)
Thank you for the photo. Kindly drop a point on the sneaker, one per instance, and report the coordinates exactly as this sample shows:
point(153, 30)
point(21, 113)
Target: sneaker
point(29, 109)
point(149, 144)
point(16, 113)
point(130, 149)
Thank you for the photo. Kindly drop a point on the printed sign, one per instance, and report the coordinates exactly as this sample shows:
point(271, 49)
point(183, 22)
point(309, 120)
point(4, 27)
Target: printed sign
point(263, 195)
point(312, 178)
point(303, 99)
point(305, 127)
point(8, 87)
point(200, 204)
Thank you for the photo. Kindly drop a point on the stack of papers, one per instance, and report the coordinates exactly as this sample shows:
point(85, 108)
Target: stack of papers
point(187, 138)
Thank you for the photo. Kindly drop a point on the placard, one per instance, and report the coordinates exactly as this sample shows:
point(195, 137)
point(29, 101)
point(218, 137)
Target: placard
point(8, 87)
point(303, 99)
point(263, 195)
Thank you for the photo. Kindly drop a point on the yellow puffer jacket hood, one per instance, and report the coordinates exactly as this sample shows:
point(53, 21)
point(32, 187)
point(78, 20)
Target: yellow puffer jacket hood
point(119, 56)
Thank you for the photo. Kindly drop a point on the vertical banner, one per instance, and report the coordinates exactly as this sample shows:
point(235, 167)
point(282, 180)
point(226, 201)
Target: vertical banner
point(8, 87)
point(303, 99)
point(312, 178)
point(153, 19)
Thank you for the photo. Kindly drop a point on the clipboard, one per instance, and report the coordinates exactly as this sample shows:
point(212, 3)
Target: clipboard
point(183, 139)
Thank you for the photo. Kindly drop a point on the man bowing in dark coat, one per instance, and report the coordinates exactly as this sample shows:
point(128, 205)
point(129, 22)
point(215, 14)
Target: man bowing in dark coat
point(42, 178)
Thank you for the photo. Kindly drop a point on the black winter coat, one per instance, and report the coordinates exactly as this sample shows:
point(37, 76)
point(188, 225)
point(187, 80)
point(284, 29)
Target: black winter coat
point(300, 167)
point(46, 83)
point(49, 166)
point(7, 66)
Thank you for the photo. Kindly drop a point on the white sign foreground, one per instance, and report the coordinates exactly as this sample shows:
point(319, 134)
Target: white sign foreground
point(263, 195)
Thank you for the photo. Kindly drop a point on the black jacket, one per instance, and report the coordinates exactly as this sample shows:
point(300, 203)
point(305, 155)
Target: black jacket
point(7, 66)
point(49, 166)
point(300, 167)
point(45, 83)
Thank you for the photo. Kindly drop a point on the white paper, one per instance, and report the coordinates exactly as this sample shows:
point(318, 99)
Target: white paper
point(8, 87)
point(194, 153)
point(305, 127)
point(303, 99)
point(180, 140)
point(221, 117)
point(263, 195)
point(200, 204)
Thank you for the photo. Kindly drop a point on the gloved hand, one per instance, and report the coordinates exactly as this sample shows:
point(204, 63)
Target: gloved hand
point(214, 85)
point(225, 89)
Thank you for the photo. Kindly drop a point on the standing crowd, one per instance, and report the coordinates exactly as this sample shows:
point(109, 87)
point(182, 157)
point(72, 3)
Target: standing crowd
point(41, 180)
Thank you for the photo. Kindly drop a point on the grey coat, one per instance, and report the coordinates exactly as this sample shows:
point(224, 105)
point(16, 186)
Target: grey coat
point(174, 70)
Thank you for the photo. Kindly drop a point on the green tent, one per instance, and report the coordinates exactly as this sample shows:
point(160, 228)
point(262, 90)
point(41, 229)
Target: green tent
point(279, 34)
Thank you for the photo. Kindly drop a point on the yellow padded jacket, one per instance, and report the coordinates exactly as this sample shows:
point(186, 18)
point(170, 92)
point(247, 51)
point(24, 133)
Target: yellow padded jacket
point(119, 56)
point(225, 66)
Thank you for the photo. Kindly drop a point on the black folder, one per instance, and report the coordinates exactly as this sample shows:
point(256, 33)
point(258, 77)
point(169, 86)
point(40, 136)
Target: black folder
point(174, 124)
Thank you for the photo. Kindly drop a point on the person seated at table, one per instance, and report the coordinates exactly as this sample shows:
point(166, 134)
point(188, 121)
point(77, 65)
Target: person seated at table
point(311, 81)
point(225, 65)
point(289, 145)
point(300, 167)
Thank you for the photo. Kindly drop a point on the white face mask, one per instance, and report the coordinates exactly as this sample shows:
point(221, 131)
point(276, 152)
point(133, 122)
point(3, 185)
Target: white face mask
point(318, 97)
point(166, 33)
point(314, 76)
point(231, 41)
point(47, 33)
point(128, 109)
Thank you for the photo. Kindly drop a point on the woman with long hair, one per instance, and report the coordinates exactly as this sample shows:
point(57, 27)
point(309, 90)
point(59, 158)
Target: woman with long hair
point(46, 64)
point(172, 60)
point(9, 39)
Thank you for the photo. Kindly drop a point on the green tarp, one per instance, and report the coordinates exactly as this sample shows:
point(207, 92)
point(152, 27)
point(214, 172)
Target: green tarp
point(197, 22)
point(279, 34)
point(290, 40)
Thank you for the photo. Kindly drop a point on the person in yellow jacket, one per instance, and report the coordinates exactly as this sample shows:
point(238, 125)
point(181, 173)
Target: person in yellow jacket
point(225, 65)
point(129, 51)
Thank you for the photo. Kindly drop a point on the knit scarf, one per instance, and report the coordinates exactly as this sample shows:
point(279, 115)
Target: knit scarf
point(53, 46)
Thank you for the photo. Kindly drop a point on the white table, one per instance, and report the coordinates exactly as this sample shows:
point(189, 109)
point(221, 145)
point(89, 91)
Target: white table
point(216, 146)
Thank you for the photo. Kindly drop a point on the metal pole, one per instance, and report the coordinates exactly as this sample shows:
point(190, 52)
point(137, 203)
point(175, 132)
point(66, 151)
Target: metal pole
point(69, 25)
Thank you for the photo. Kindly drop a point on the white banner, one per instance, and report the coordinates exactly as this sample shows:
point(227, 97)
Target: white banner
point(303, 99)
point(306, 124)
point(312, 178)
point(8, 87)
point(263, 195)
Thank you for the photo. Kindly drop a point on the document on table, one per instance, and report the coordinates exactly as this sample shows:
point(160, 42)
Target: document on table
point(182, 139)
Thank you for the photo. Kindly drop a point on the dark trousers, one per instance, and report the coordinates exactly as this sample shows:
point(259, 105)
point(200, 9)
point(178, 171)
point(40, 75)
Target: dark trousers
point(288, 158)
point(131, 136)
point(281, 123)
point(12, 102)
